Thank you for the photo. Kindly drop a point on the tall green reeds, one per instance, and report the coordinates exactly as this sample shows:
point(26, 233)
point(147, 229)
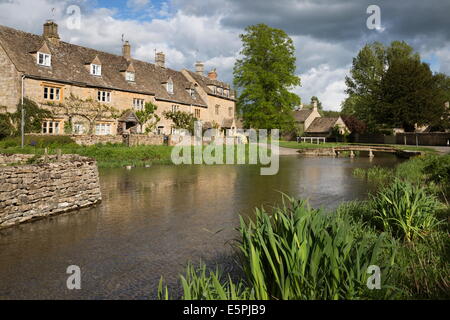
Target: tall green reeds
point(405, 210)
point(300, 253)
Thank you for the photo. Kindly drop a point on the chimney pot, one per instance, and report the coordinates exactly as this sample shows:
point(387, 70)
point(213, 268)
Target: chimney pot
point(126, 50)
point(212, 74)
point(160, 59)
point(199, 68)
point(51, 31)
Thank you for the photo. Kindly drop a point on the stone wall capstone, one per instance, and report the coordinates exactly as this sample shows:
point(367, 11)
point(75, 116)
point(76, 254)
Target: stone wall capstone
point(31, 191)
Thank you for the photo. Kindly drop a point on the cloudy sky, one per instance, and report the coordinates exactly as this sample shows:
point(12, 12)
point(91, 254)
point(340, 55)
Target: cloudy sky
point(327, 33)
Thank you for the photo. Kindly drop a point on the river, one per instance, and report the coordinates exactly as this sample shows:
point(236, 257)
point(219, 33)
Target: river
point(153, 220)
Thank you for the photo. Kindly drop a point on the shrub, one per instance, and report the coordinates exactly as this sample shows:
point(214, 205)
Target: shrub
point(405, 210)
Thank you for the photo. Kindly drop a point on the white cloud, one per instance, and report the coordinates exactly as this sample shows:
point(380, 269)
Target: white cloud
point(326, 83)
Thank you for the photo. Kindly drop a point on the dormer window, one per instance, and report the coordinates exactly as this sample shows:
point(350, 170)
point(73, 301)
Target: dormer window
point(44, 59)
point(96, 69)
point(170, 86)
point(130, 76)
point(227, 93)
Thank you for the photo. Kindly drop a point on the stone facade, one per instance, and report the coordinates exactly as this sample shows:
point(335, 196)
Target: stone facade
point(32, 191)
point(69, 73)
point(10, 84)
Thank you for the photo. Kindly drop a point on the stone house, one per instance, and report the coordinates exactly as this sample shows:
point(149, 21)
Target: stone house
point(48, 71)
point(323, 127)
point(313, 124)
point(304, 117)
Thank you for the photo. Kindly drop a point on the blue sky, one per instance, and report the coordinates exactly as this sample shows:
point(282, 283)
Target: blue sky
point(136, 10)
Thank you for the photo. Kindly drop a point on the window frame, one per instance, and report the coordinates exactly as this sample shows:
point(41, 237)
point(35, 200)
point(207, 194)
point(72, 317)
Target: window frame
point(103, 131)
point(51, 125)
point(96, 69)
point(103, 94)
point(138, 104)
point(130, 76)
point(169, 87)
point(46, 59)
point(52, 91)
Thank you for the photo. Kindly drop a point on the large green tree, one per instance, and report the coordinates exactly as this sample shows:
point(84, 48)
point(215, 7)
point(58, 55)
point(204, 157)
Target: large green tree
point(265, 76)
point(389, 86)
point(409, 96)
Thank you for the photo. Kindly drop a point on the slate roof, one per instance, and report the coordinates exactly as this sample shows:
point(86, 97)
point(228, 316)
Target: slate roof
point(322, 125)
point(205, 82)
point(69, 63)
point(302, 115)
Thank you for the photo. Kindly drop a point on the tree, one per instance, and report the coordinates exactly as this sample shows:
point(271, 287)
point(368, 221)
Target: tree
point(181, 119)
point(88, 109)
point(377, 92)
point(319, 104)
point(264, 76)
point(409, 95)
point(148, 117)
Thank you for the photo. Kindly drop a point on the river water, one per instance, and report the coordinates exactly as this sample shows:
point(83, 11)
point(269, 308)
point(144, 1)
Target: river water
point(153, 220)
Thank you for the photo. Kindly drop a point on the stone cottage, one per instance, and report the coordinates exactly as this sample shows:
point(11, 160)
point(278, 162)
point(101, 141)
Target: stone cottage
point(313, 124)
point(48, 71)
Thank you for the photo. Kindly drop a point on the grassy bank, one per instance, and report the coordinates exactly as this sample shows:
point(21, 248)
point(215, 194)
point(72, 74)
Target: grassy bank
point(114, 155)
point(296, 252)
point(295, 145)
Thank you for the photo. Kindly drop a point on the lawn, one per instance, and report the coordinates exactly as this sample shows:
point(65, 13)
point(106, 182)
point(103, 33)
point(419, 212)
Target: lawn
point(296, 145)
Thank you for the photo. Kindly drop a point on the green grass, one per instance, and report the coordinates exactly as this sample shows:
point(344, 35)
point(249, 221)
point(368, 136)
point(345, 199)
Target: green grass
point(115, 155)
point(295, 145)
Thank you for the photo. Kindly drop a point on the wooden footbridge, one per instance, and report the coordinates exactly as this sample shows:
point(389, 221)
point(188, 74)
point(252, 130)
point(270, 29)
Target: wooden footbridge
point(353, 149)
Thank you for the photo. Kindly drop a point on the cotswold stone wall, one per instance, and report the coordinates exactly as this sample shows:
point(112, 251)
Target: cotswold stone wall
point(146, 140)
point(30, 191)
point(86, 140)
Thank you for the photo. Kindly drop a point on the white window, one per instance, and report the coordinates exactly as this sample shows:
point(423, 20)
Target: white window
point(227, 93)
point(170, 87)
point(192, 93)
point(50, 127)
point(103, 129)
point(104, 96)
point(52, 93)
point(130, 76)
point(160, 130)
point(175, 108)
point(138, 104)
point(78, 128)
point(44, 59)
point(96, 69)
point(220, 91)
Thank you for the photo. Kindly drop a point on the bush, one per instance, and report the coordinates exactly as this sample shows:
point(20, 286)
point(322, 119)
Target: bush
point(405, 210)
point(6, 126)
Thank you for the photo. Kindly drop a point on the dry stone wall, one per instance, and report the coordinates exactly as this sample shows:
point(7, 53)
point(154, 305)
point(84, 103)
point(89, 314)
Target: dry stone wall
point(54, 186)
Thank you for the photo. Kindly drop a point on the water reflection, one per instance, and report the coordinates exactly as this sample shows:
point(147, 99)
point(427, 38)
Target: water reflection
point(153, 220)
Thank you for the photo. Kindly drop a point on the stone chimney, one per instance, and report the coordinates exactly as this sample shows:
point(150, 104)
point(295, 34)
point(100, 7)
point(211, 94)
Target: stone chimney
point(212, 74)
point(199, 68)
point(51, 32)
point(160, 59)
point(300, 107)
point(126, 50)
point(314, 103)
